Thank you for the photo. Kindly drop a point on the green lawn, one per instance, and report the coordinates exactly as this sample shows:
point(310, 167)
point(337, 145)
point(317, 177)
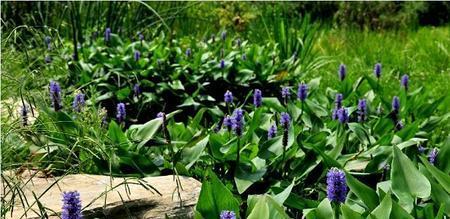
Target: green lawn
point(422, 54)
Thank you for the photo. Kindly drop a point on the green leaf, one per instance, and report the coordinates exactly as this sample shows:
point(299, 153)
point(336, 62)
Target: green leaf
point(245, 177)
point(176, 85)
point(317, 109)
point(441, 177)
point(360, 132)
point(348, 213)
point(123, 93)
point(274, 103)
point(438, 194)
point(444, 153)
point(143, 133)
point(215, 197)
point(384, 209)
point(324, 210)
point(264, 206)
point(407, 182)
point(116, 135)
point(191, 154)
point(408, 131)
point(365, 193)
point(398, 212)
point(198, 118)
point(260, 210)
point(282, 196)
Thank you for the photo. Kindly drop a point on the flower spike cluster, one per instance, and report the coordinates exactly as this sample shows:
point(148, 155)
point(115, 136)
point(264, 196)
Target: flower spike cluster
point(71, 208)
point(336, 185)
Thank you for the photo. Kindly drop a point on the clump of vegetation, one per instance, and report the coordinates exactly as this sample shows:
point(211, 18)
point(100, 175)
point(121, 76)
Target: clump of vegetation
point(310, 122)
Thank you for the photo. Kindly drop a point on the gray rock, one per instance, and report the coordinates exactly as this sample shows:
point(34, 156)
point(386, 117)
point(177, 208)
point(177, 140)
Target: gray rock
point(150, 197)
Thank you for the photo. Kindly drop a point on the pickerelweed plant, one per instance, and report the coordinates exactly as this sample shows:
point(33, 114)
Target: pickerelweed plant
point(225, 122)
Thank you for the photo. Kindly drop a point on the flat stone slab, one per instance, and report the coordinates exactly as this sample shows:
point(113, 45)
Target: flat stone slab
point(150, 197)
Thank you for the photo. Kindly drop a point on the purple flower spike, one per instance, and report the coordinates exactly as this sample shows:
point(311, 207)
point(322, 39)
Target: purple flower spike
point(396, 104)
point(285, 120)
point(137, 55)
point(48, 59)
point(238, 121)
point(336, 185)
point(257, 97)
point(188, 52)
point(238, 42)
point(421, 149)
point(228, 122)
point(285, 92)
point(160, 115)
point(141, 36)
point(302, 92)
point(342, 72)
point(78, 102)
point(71, 208)
point(405, 81)
point(399, 125)
point(338, 101)
point(136, 90)
point(227, 215)
point(222, 64)
point(432, 156)
point(244, 57)
point(55, 95)
point(334, 114)
point(223, 35)
point(272, 131)
point(228, 97)
point(48, 40)
point(362, 110)
point(377, 70)
point(337, 106)
point(121, 113)
point(108, 34)
point(342, 115)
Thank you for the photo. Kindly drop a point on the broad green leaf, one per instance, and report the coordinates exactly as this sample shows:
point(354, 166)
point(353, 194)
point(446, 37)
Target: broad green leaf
point(398, 212)
point(260, 210)
point(274, 103)
point(123, 93)
point(143, 133)
point(407, 182)
point(116, 135)
point(444, 153)
point(410, 142)
point(215, 197)
point(441, 177)
point(324, 210)
point(257, 205)
point(191, 154)
point(348, 213)
point(282, 196)
point(198, 117)
point(438, 194)
point(299, 202)
point(384, 209)
point(176, 85)
point(245, 177)
point(317, 109)
point(360, 132)
point(365, 193)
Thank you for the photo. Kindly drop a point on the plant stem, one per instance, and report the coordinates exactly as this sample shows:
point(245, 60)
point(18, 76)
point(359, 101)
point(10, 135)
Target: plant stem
point(238, 152)
point(336, 211)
